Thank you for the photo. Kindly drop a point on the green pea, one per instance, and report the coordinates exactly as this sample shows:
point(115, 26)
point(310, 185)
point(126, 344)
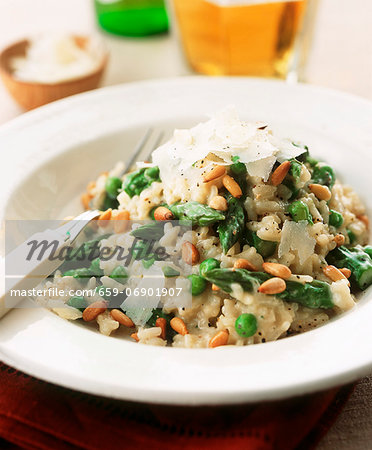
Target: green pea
point(152, 172)
point(198, 284)
point(335, 218)
point(324, 175)
point(208, 264)
point(119, 274)
point(77, 302)
point(300, 211)
point(83, 272)
point(112, 186)
point(169, 272)
point(95, 268)
point(246, 325)
point(69, 273)
point(368, 250)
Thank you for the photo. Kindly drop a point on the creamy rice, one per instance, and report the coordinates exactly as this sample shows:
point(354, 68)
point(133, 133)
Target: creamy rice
point(302, 246)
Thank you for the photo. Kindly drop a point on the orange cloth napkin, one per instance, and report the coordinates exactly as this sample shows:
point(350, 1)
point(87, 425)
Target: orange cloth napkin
point(38, 415)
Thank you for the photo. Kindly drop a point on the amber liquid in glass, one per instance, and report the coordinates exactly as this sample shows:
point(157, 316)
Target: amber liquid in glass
point(243, 39)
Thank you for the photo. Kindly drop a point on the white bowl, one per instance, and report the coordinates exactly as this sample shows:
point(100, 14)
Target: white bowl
point(53, 152)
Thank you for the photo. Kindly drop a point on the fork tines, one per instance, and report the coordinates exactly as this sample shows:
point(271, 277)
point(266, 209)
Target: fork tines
point(147, 144)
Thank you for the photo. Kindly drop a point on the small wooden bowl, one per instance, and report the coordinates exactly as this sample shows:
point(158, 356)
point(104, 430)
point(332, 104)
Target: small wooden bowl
point(30, 95)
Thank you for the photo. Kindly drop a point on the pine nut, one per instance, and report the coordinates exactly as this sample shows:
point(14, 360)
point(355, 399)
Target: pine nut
point(244, 264)
point(163, 213)
point(218, 202)
point(280, 173)
point(334, 274)
point(104, 217)
point(364, 219)
point(94, 310)
point(179, 326)
point(215, 287)
point(135, 336)
point(272, 286)
point(346, 272)
point(91, 185)
point(232, 186)
point(162, 323)
point(219, 339)
point(121, 223)
point(321, 192)
point(277, 270)
point(85, 200)
point(339, 239)
point(122, 318)
point(216, 172)
point(190, 253)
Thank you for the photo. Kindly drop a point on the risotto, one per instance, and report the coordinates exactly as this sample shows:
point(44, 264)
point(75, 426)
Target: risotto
point(278, 244)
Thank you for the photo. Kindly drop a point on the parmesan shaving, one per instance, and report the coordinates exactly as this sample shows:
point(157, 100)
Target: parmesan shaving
point(223, 136)
point(261, 168)
point(295, 237)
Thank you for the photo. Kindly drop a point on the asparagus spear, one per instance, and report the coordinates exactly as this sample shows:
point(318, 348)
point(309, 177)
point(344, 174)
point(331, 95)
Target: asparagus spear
point(264, 248)
point(293, 176)
point(355, 259)
point(197, 213)
point(295, 170)
point(231, 229)
point(239, 172)
point(225, 278)
point(316, 294)
point(149, 231)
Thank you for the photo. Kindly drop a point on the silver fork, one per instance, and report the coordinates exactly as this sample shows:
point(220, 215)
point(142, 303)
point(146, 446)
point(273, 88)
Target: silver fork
point(141, 147)
point(33, 271)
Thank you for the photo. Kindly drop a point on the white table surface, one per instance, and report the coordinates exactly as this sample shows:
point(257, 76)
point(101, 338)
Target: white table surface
point(341, 58)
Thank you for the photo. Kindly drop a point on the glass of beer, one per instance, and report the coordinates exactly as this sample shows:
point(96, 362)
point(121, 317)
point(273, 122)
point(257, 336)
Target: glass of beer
point(267, 38)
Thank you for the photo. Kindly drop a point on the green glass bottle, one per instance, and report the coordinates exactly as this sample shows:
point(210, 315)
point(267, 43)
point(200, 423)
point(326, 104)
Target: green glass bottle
point(132, 17)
